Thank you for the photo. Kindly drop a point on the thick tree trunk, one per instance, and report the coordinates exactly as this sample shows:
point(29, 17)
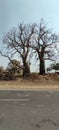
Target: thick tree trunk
point(42, 66)
point(26, 70)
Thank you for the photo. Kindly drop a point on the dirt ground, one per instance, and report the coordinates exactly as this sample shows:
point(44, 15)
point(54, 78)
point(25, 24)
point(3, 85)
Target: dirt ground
point(50, 81)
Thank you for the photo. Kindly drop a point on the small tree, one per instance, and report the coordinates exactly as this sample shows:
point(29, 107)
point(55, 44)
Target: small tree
point(14, 68)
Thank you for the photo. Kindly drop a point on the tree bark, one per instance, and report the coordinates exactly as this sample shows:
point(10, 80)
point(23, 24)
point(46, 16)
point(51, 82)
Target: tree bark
point(42, 66)
point(26, 70)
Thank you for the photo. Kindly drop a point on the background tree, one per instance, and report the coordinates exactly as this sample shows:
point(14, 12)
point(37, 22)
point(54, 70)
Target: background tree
point(44, 45)
point(54, 67)
point(14, 68)
point(17, 42)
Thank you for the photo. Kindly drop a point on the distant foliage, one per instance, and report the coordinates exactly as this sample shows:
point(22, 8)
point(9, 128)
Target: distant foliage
point(53, 67)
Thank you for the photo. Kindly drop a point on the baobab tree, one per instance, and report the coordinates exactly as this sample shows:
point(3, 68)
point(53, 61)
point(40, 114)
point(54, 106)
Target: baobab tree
point(44, 44)
point(17, 42)
point(26, 38)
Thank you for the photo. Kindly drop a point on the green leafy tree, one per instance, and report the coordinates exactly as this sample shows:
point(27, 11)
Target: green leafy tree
point(53, 67)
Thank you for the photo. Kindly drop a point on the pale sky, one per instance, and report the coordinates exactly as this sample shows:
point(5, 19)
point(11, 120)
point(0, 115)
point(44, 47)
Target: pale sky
point(12, 12)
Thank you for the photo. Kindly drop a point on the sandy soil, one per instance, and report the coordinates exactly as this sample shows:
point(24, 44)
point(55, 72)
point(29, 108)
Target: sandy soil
point(28, 87)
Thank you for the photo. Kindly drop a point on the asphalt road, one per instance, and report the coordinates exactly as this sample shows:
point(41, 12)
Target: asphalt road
point(29, 110)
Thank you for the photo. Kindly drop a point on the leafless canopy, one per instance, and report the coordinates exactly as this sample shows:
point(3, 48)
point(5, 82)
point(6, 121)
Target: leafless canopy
point(28, 38)
point(17, 42)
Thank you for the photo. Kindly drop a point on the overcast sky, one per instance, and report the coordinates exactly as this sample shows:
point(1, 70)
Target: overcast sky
point(12, 12)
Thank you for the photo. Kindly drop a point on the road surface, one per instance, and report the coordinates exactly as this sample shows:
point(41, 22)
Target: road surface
point(29, 110)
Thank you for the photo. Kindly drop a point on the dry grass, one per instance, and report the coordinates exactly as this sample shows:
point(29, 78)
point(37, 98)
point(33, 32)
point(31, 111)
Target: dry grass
point(50, 81)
